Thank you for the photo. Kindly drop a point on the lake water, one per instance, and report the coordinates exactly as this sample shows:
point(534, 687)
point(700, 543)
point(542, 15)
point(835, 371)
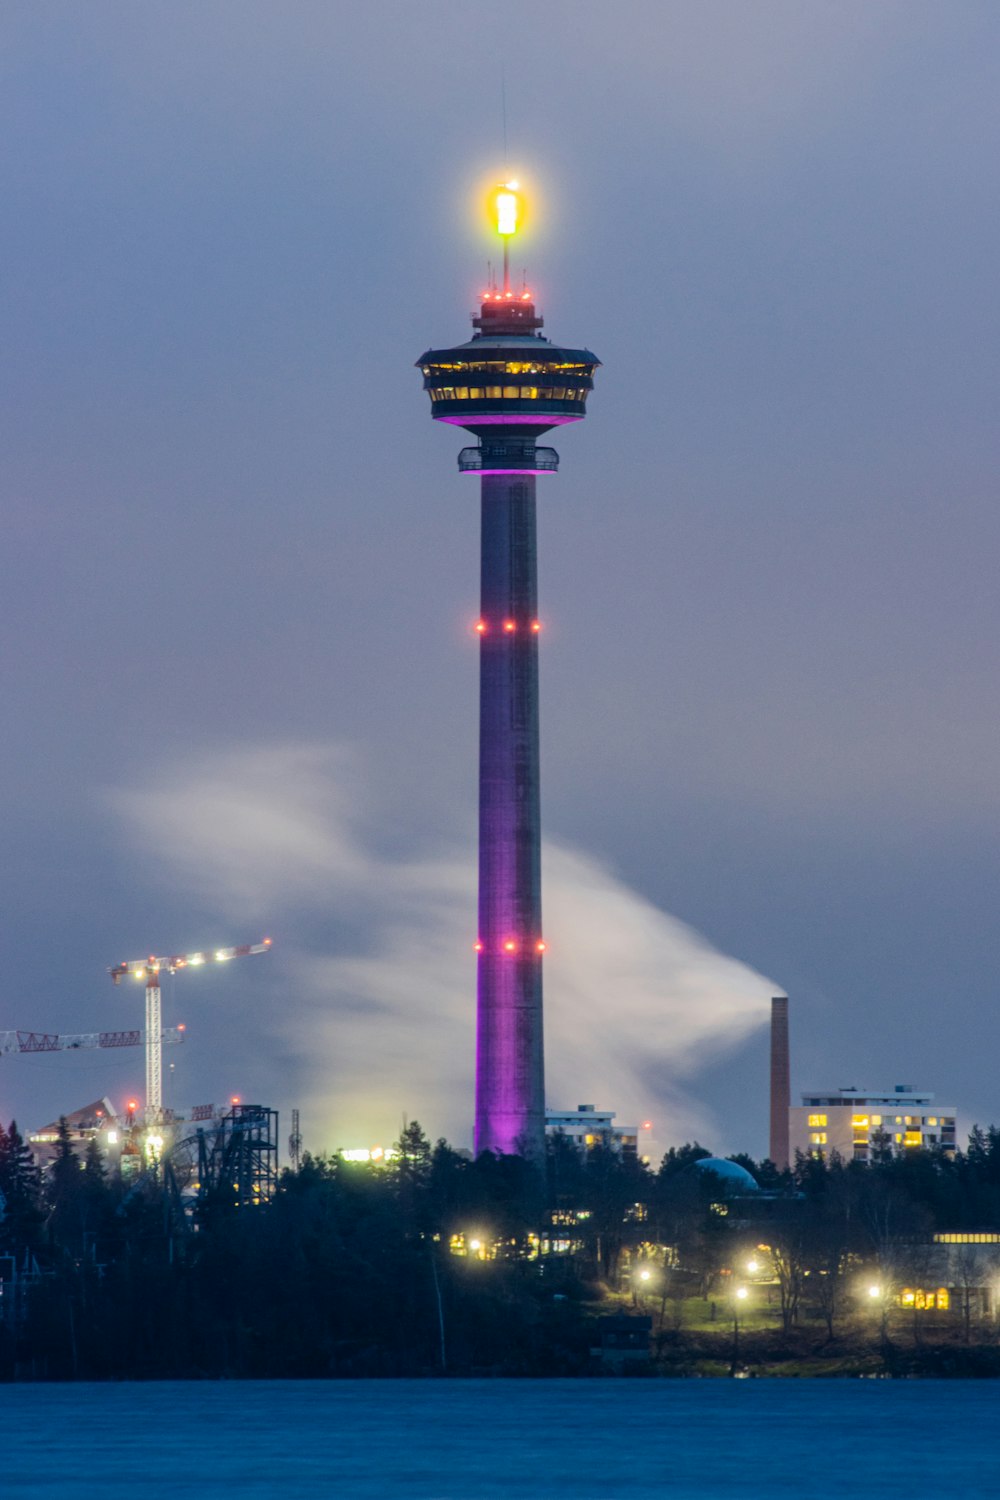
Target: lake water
point(487, 1440)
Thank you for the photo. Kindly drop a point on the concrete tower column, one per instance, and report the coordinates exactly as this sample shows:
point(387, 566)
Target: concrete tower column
point(781, 1082)
point(510, 1090)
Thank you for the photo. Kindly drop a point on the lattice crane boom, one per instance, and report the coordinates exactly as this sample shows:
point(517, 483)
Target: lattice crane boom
point(50, 1041)
point(141, 968)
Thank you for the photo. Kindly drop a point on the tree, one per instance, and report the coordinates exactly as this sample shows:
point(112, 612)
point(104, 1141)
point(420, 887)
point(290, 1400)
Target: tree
point(21, 1188)
point(64, 1193)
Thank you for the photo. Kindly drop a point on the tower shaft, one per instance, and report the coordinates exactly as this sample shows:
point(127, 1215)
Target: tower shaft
point(781, 1083)
point(510, 1091)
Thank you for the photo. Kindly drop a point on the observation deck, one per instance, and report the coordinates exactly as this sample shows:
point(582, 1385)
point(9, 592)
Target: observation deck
point(508, 375)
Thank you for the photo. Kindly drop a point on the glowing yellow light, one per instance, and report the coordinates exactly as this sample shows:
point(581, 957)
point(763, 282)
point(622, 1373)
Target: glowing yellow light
point(475, 1244)
point(221, 956)
point(507, 206)
point(645, 1275)
point(874, 1291)
point(742, 1293)
point(753, 1267)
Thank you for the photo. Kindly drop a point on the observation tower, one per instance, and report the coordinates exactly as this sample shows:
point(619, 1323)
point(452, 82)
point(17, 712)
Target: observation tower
point(508, 385)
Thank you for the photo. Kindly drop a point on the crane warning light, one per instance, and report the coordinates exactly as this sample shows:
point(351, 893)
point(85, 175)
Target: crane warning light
point(235, 1099)
point(507, 208)
point(536, 626)
point(510, 946)
point(477, 947)
point(481, 627)
point(133, 1105)
point(510, 626)
point(540, 947)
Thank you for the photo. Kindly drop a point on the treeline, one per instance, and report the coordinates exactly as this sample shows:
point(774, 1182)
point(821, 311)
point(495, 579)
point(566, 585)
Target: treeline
point(351, 1269)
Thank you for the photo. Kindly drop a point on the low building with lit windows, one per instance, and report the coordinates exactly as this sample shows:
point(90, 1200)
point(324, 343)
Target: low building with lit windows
point(588, 1127)
point(857, 1122)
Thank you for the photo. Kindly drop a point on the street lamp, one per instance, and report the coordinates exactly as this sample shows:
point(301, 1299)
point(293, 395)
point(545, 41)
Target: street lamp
point(740, 1294)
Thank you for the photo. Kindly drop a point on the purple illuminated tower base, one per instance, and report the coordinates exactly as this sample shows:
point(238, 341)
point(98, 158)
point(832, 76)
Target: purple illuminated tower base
point(508, 385)
point(510, 1086)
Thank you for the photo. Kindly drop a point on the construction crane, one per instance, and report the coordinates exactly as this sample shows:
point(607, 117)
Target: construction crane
point(50, 1041)
point(150, 970)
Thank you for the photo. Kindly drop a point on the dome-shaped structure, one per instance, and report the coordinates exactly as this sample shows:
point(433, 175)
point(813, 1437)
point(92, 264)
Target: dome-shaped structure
point(736, 1180)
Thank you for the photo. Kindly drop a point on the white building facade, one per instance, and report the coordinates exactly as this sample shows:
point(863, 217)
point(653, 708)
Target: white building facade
point(856, 1122)
point(587, 1127)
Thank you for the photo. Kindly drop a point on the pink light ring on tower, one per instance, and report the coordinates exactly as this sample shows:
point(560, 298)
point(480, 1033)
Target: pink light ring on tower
point(511, 419)
point(510, 471)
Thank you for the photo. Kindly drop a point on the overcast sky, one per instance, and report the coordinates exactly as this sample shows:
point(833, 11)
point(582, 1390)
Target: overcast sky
point(240, 565)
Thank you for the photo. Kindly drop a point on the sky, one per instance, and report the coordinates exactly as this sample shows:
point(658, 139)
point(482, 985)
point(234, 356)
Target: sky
point(240, 566)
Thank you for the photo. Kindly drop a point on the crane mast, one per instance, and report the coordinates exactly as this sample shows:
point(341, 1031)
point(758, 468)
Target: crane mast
point(150, 970)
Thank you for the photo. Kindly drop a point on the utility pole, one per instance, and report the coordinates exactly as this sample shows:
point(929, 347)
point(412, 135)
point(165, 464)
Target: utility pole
point(295, 1143)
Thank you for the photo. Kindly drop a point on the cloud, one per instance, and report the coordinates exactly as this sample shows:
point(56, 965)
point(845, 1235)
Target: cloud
point(376, 1005)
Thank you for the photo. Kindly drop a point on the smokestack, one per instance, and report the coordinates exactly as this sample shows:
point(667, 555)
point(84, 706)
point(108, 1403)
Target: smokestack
point(781, 1083)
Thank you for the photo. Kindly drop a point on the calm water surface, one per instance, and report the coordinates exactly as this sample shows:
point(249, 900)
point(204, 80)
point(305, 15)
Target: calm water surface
point(486, 1440)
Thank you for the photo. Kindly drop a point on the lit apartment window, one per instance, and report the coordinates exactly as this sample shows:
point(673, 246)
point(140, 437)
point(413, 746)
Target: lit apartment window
point(817, 1120)
point(818, 1138)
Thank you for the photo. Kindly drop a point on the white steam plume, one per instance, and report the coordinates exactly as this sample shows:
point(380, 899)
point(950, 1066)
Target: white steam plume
point(381, 1021)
